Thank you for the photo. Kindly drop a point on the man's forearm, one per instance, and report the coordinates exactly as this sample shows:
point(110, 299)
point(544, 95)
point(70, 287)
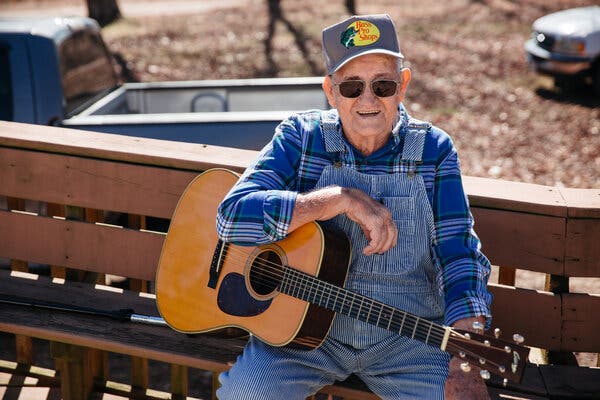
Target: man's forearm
point(318, 205)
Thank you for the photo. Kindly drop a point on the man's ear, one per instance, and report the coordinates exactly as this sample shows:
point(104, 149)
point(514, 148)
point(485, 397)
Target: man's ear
point(405, 75)
point(328, 88)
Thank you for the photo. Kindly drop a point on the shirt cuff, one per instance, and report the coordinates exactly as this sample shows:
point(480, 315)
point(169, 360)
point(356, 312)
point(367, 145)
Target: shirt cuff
point(468, 307)
point(277, 213)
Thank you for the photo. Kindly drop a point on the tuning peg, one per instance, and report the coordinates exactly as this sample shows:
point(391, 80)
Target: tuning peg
point(465, 367)
point(518, 339)
point(497, 333)
point(505, 382)
point(482, 361)
point(485, 374)
point(478, 326)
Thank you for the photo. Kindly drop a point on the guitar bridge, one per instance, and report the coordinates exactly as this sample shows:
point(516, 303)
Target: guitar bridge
point(216, 263)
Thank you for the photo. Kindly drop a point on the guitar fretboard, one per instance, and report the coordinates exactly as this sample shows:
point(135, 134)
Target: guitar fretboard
point(315, 291)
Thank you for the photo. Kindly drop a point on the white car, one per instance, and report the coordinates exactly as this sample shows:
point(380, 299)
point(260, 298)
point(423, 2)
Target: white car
point(566, 45)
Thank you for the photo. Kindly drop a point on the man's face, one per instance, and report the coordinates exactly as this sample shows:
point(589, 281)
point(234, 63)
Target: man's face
point(367, 120)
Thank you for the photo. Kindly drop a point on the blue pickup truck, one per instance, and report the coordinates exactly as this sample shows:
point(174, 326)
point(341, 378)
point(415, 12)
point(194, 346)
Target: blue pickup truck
point(58, 71)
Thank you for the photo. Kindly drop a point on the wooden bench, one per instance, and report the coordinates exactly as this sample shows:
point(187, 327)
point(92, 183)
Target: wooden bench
point(59, 187)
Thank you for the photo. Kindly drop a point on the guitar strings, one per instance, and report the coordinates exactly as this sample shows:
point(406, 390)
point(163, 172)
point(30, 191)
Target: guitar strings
point(433, 331)
point(272, 273)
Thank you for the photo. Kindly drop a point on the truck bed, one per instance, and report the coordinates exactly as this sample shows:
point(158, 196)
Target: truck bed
point(202, 111)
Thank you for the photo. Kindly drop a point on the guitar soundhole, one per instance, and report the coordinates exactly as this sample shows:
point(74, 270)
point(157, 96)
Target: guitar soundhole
point(265, 273)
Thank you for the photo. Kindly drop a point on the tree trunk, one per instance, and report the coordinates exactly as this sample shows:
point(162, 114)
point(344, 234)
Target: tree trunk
point(103, 11)
point(351, 7)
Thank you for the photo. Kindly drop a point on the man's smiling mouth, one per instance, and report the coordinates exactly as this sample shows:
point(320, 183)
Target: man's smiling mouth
point(368, 113)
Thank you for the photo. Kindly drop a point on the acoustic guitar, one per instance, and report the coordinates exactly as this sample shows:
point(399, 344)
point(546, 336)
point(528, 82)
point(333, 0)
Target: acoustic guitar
point(288, 292)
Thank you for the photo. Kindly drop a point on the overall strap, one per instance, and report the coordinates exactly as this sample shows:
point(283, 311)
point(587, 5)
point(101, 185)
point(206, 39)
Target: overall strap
point(332, 135)
point(414, 141)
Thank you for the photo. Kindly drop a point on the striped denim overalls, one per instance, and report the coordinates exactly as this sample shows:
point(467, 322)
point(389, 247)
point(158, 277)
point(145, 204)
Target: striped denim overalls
point(392, 366)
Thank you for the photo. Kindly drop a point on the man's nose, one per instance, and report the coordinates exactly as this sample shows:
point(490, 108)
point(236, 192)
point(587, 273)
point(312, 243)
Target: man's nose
point(367, 95)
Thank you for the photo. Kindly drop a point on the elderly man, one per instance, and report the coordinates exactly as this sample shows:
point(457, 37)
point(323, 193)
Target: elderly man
point(393, 184)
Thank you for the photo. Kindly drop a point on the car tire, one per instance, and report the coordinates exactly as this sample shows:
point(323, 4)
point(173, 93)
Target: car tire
point(596, 79)
point(565, 83)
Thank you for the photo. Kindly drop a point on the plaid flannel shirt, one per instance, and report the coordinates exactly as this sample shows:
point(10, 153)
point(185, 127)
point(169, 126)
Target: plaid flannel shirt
point(258, 209)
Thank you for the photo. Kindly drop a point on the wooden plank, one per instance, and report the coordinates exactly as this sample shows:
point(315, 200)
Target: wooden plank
point(571, 382)
point(163, 153)
point(520, 240)
point(532, 385)
point(503, 394)
point(582, 203)
point(91, 183)
point(582, 250)
point(116, 251)
point(581, 322)
point(208, 352)
point(516, 310)
point(515, 196)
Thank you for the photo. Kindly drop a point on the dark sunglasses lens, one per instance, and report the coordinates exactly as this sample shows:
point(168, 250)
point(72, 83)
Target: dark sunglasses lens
point(384, 88)
point(351, 88)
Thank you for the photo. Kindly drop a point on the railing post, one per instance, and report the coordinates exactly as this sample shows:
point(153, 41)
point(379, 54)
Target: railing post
point(179, 381)
point(78, 366)
point(559, 284)
point(506, 276)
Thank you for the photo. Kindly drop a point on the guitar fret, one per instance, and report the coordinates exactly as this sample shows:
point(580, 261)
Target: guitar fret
point(415, 328)
point(358, 316)
point(311, 290)
point(318, 293)
point(402, 324)
point(389, 319)
point(428, 333)
point(369, 313)
point(351, 305)
point(345, 303)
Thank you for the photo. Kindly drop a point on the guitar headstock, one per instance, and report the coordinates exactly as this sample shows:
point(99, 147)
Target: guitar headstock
point(490, 353)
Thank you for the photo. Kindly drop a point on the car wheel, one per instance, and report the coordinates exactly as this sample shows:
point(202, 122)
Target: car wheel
point(596, 79)
point(565, 83)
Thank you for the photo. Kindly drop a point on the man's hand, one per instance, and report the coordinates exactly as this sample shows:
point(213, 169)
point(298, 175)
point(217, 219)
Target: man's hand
point(465, 385)
point(374, 218)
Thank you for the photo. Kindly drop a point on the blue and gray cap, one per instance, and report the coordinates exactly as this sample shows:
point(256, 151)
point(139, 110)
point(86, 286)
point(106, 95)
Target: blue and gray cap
point(357, 36)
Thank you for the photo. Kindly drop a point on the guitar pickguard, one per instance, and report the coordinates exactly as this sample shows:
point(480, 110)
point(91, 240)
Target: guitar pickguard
point(234, 298)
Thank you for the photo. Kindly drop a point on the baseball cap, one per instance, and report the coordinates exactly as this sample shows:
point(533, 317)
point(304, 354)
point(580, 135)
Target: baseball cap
point(357, 36)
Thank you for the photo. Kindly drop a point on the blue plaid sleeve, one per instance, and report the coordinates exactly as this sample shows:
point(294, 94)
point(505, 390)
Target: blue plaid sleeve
point(258, 209)
point(464, 270)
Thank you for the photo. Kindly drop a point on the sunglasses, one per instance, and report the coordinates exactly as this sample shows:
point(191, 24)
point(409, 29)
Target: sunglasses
point(353, 88)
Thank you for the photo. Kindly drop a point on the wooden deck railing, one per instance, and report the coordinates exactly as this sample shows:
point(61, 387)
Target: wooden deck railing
point(59, 187)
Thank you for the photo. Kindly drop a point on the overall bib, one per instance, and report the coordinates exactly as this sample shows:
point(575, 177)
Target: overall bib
point(394, 367)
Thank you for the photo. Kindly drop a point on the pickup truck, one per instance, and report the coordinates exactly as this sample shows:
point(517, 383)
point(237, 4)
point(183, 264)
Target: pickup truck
point(58, 71)
point(566, 45)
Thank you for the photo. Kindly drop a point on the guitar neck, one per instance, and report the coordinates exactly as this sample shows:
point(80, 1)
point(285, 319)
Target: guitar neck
point(315, 291)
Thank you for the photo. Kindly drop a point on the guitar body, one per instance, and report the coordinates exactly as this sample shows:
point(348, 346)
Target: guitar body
point(199, 289)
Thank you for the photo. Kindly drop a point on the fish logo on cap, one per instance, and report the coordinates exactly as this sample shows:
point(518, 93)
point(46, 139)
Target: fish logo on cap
point(360, 33)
